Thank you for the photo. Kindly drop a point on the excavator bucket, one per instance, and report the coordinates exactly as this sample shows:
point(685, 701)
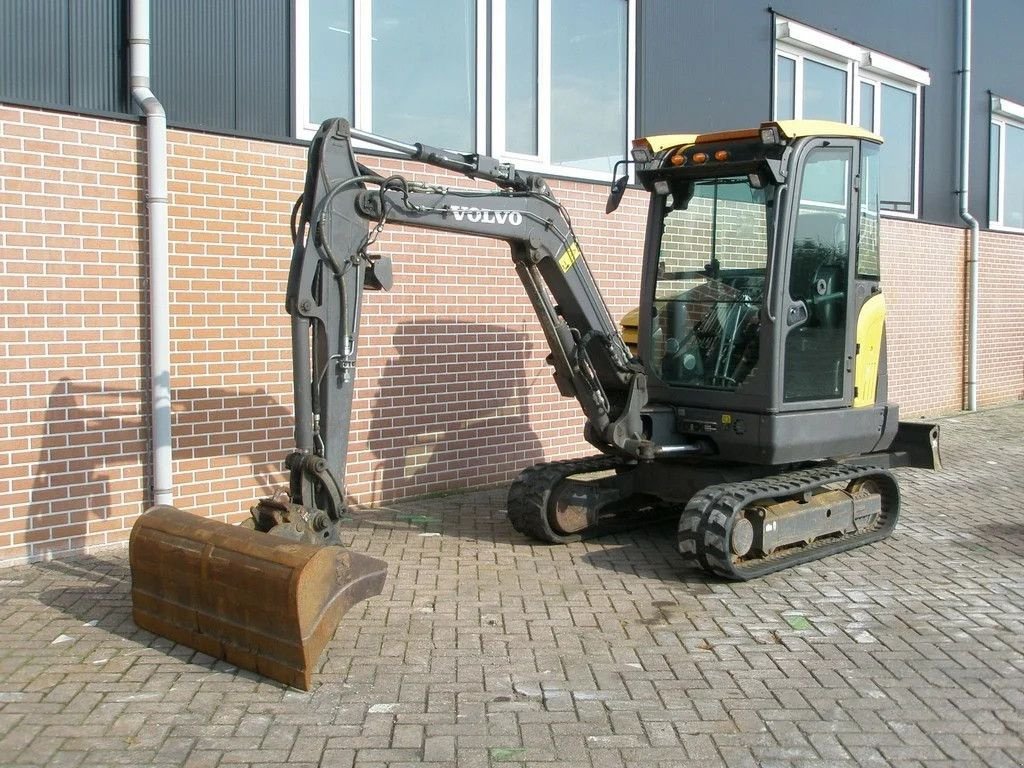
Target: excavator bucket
point(258, 601)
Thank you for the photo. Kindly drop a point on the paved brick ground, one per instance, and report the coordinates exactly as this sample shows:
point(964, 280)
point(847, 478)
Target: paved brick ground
point(486, 650)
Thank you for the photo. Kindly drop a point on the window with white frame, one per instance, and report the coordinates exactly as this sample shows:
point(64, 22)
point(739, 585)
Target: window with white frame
point(1006, 165)
point(547, 84)
point(820, 76)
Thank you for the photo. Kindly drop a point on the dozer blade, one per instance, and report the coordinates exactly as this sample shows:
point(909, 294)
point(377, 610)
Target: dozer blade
point(258, 601)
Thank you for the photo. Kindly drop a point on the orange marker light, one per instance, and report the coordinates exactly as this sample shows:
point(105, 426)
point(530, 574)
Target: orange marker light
point(721, 155)
point(700, 157)
point(678, 159)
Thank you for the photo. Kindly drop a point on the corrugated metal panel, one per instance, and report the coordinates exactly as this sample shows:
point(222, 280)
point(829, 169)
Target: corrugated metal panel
point(194, 61)
point(263, 67)
point(97, 55)
point(224, 64)
point(34, 51)
point(998, 65)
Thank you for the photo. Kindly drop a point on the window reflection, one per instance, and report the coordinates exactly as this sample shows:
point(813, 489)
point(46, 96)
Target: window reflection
point(521, 85)
point(994, 139)
point(867, 106)
point(824, 92)
point(424, 71)
point(330, 60)
point(588, 83)
point(562, 79)
point(1013, 178)
point(785, 93)
point(816, 347)
point(897, 153)
point(868, 236)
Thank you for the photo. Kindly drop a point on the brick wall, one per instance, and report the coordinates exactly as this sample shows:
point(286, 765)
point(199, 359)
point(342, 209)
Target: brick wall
point(453, 390)
point(72, 438)
point(923, 279)
point(1001, 318)
point(924, 271)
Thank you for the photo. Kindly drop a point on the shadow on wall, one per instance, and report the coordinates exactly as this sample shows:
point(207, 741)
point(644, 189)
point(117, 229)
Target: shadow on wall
point(452, 409)
point(93, 434)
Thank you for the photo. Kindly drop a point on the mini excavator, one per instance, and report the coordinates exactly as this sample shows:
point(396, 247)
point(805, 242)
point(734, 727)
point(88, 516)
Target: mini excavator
point(745, 396)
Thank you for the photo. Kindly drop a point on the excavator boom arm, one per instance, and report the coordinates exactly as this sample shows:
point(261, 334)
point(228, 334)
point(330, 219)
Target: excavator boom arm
point(344, 207)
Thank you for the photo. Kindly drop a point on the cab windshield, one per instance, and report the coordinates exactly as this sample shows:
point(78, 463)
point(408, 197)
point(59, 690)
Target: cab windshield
point(713, 257)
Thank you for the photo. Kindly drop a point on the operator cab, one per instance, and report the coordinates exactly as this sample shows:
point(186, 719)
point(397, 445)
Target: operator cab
point(762, 257)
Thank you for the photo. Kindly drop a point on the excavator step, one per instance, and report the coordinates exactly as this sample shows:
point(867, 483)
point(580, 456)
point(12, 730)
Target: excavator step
point(258, 601)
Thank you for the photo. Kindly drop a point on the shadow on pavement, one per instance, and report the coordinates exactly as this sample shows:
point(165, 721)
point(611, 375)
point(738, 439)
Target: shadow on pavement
point(997, 537)
point(649, 553)
point(97, 591)
point(93, 589)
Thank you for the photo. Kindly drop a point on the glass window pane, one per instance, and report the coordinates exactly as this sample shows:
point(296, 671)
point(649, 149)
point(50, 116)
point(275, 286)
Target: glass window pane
point(588, 83)
point(867, 106)
point(896, 156)
point(785, 88)
point(424, 71)
point(824, 92)
point(993, 173)
point(816, 348)
point(710, 286)
point(330, 60)
point(825, 179)
point(521, 76)
point(1013, 178)
point(868, 232)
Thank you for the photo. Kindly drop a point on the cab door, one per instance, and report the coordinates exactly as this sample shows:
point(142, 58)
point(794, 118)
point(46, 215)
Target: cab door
point(818, 315)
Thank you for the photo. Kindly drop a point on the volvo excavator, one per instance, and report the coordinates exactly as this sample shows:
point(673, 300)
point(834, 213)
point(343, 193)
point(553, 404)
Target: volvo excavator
point(745, 396)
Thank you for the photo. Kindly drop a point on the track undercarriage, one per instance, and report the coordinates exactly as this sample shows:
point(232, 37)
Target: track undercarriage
point(735, 522)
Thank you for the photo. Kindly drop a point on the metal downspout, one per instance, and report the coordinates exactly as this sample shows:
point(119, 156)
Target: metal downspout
point(971, 395)
point(159, 285)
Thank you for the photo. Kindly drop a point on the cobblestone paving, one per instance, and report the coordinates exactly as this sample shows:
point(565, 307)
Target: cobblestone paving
point(485, 650)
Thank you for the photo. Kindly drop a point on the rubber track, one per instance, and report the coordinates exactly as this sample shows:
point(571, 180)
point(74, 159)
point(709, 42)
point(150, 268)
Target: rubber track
point(530, 492)
point(706, 523)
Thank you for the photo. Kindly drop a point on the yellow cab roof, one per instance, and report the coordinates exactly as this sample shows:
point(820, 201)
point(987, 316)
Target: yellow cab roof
point(795, 129)
point(790, 129)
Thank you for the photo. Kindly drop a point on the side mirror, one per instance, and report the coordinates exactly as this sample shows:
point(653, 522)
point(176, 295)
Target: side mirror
point(616, 192)
point(618, 186)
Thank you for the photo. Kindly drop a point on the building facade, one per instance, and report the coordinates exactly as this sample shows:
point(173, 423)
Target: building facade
point(453, 390)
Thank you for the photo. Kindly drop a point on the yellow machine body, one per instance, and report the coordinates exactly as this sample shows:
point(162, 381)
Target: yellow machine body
point(870, 327)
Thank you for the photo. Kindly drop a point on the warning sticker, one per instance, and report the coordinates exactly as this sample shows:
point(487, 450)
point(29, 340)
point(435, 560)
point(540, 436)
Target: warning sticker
point(569, 256)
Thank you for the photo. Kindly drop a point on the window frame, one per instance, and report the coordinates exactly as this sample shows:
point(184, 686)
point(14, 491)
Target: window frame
point(541, 162)
point(489, 120)
point(1003, 113)
point(799, 42)
point(362, 72)
point(798, 57)
point(877, 81)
